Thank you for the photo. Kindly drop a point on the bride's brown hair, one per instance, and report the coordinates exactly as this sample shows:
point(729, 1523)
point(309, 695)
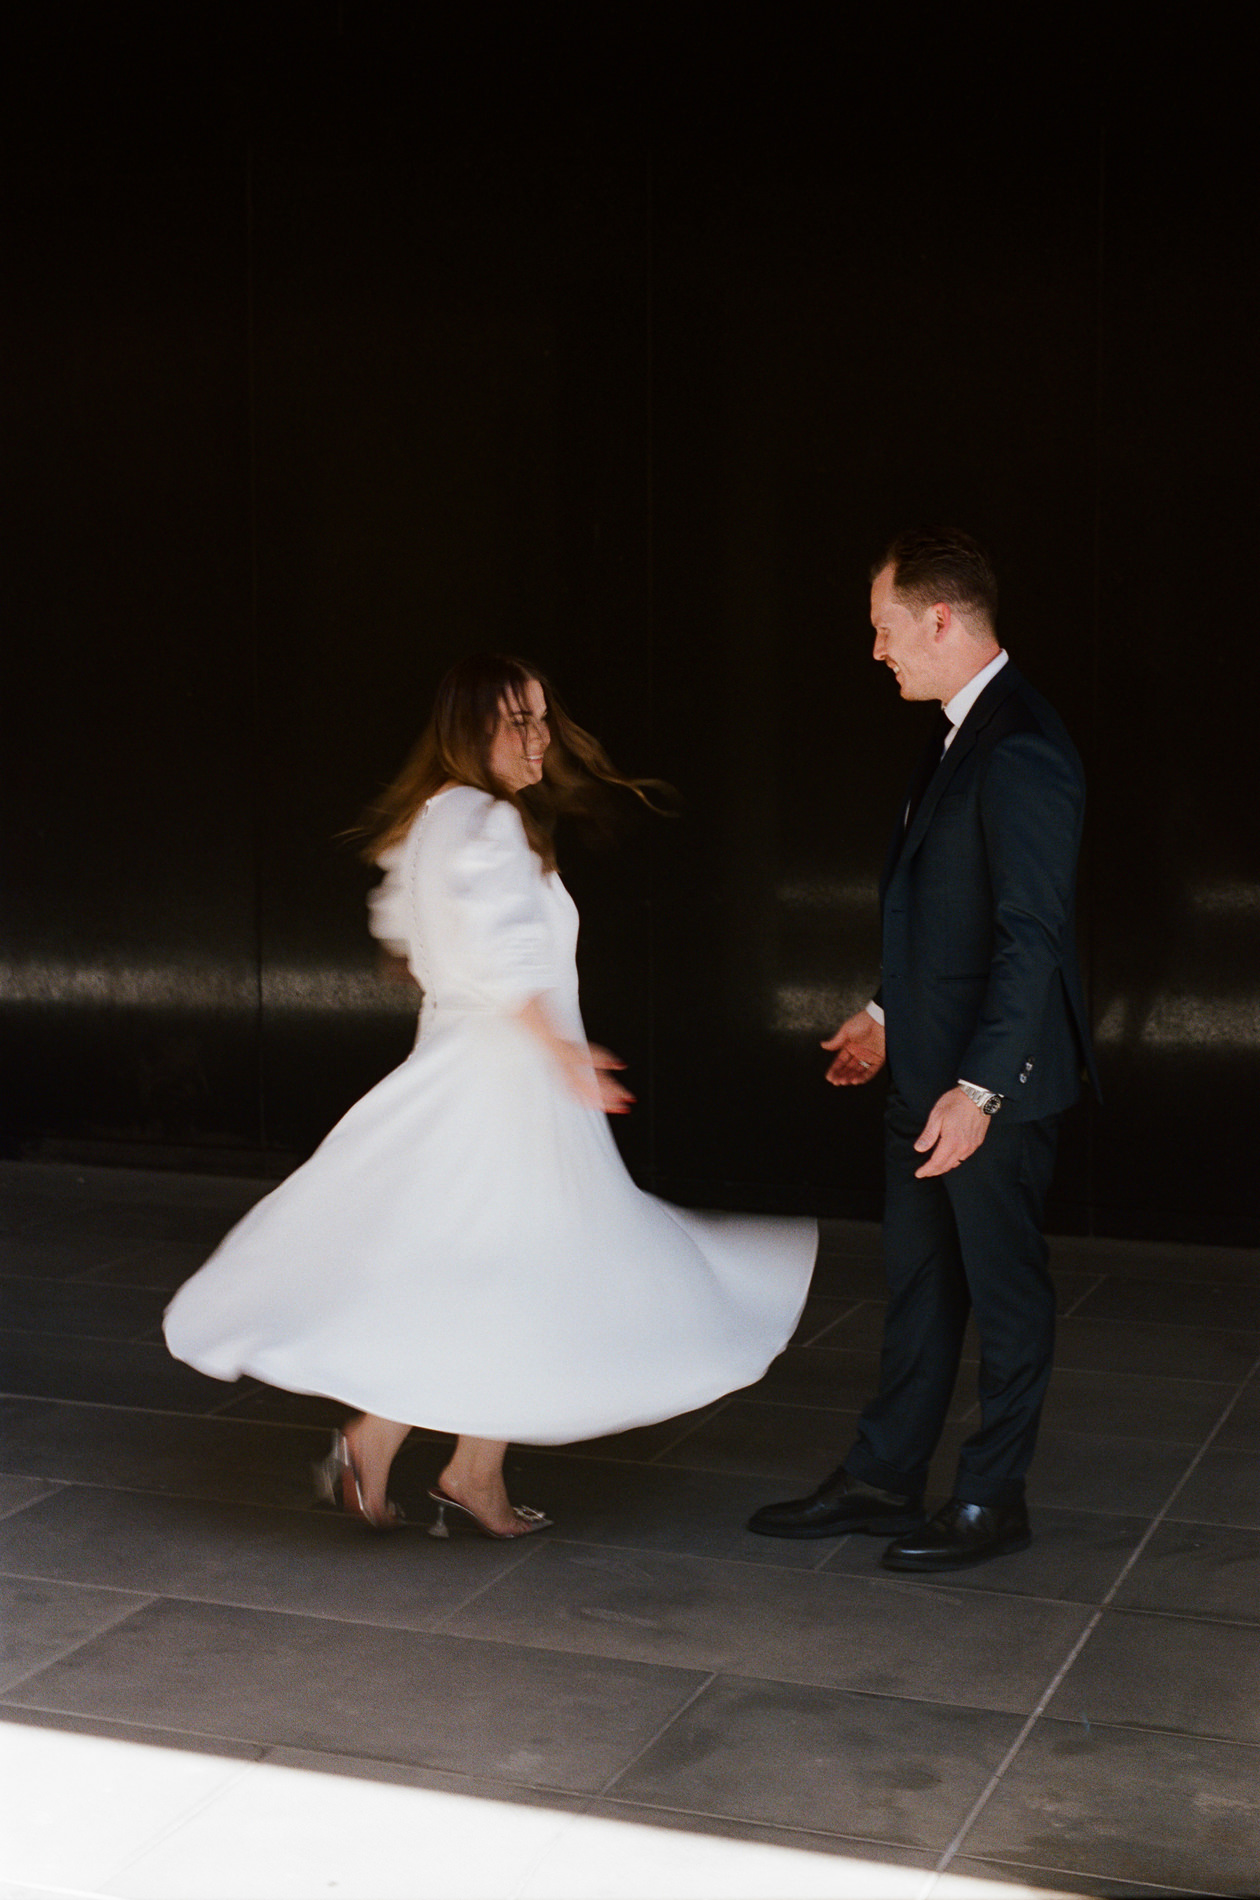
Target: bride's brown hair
point(456, 745)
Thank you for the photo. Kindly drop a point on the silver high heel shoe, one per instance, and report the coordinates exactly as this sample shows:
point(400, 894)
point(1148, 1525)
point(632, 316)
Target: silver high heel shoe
point(530, 1520)
point(337, 1482)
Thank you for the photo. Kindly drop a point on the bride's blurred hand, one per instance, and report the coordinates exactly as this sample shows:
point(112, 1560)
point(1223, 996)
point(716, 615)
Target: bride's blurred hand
point(589, 1072)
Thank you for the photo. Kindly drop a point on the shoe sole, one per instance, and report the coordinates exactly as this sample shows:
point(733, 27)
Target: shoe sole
point(867, 1527)
point(924, 1565)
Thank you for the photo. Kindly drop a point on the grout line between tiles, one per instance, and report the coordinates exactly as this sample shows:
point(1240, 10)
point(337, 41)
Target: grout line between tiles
point(439, 1624)
point(683, 1436)
point(643, 1813)
point(1210, 1737)
point(1134, 1556)
point(1069, 1310)
point(710, 1678)
point(840, 1320)
point(1020, 1869)
point(147, 1599)
point(252, 1606)
point(53, 1486)
point(995, 1779)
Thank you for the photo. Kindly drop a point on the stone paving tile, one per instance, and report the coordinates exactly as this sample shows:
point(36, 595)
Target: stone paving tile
point(655, 1507)
point(78, 1308)
point(120, 1223)
point(39, 1619)
point(645, 1443)
point(316, 1563)
point(850, 1240)
point(994, 1879)
point(1156, 1351)
point(1207, 1681)
point(69, 1183)
point(820, 1314)
point(860, 1328)
point(1071, 1289)
point(1183, 1265)
point(691, 1857)
point(1101, 1471)
point(871, 1634)
point(1224, 1488)
point(822, 1376)
point(872, 1768)
point(270, 1404)
point(799, 1443)
point(183, 1454)
point(1197, 1570)
point(17, 1493)
point(1241, 1430)
point(103, 1372)
point(161, 1264)
point(35, 1256)
point(1075, 1557)
point(1181, 1410)
point(838, 1847)
point(383, 1694)
point(1231, 1304)
point(593, 1641)
point(849, 1278)
point(1168, 1810)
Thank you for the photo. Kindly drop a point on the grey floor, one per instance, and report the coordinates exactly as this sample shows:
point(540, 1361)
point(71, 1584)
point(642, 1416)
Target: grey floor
point(1080, 1718)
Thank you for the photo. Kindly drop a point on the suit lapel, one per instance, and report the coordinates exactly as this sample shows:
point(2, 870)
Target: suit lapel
point(901, 850)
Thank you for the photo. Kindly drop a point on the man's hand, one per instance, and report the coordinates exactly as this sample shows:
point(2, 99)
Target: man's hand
point(859, 1046)
point(953, 1130)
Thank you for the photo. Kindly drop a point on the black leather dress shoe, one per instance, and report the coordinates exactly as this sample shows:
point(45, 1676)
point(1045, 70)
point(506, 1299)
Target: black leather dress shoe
point(840, 1504)
point(961, 1534)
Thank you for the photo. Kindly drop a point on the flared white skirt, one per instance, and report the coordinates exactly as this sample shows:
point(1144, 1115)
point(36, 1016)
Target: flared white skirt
point(466, 1251)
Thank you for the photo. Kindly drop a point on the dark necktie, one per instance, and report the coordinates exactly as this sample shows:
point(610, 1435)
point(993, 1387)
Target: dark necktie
point(927, 767)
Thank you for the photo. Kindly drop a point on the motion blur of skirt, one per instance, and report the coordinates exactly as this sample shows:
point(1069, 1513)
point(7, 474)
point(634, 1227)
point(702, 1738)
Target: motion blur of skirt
point(467, 1252)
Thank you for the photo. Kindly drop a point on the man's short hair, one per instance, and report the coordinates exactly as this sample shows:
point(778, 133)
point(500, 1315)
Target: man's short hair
point(931, 564)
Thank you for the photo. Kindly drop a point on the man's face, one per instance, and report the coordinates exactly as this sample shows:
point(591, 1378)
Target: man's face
point(905, 640)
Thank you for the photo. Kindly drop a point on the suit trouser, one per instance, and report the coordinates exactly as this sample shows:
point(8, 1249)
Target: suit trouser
point(965, 1241)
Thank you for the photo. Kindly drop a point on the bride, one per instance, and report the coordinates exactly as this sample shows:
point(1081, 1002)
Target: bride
point(466, 1251)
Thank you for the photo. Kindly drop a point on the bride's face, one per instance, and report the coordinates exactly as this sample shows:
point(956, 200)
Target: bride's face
point(520, 738)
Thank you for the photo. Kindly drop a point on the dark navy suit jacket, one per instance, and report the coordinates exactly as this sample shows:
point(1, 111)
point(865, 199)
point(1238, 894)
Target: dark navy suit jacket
point(980, 976)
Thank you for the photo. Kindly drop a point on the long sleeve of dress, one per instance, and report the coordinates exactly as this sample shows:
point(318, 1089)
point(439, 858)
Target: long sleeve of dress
point(389, 907)
point(496, 886)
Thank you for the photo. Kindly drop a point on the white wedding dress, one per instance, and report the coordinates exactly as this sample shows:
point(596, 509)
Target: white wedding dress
point(466, 1250)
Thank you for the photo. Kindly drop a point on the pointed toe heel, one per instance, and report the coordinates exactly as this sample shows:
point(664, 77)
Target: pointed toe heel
point(529, 1520)
point(337, 1482)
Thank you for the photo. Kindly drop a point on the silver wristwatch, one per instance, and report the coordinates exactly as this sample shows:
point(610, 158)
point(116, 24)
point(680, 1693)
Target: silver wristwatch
point(985, 1100)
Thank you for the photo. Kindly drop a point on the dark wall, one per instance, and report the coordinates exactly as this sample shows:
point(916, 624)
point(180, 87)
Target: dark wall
point(349, 339)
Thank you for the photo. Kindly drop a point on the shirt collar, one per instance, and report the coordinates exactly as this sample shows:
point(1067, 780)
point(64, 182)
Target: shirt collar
point(957, 708)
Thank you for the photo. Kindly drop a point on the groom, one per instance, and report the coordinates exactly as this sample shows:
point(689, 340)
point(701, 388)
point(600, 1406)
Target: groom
point(980, 1018)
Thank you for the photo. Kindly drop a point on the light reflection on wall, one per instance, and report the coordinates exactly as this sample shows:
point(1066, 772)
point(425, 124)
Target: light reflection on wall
point(1182, 1023)
point(204, 986)
point(1236, 897)
point(828, 893)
